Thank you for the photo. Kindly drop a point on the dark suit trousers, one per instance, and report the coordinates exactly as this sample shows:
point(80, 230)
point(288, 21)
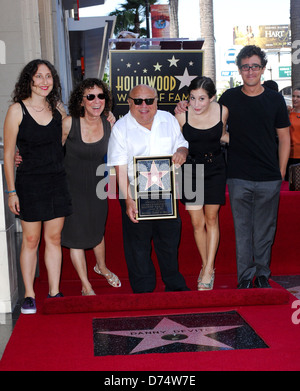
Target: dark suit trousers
point(137, 241)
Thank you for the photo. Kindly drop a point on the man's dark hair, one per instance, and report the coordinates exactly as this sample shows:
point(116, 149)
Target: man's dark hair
point(249, 51)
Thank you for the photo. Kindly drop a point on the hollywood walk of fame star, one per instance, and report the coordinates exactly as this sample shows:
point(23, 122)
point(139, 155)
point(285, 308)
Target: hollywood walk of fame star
point(185, 79)
point(161, 335)
point(154, 176)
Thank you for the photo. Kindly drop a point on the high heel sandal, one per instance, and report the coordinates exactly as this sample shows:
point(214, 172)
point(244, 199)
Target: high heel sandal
point(203, 286)
point(111, 278)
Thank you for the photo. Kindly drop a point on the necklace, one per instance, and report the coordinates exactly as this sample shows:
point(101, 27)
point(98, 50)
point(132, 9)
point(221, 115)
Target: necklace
point(37, 111)
point(36, 108)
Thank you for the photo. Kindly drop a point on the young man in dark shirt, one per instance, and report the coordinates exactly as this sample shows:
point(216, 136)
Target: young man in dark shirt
point(258, 127)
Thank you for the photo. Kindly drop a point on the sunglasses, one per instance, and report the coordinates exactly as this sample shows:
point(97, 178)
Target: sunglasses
point(93, 96)
point(139, 101)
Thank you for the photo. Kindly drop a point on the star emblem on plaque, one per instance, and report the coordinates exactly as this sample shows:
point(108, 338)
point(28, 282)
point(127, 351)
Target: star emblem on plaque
point(155, 187)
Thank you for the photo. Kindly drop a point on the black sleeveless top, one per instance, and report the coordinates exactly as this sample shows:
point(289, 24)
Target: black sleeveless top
point(41, 183)
point(203, 140)
point(204, 148)
point(40, 146)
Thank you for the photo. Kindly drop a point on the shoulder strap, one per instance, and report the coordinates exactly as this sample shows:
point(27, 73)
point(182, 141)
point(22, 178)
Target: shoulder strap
point(221, 108)
point(186, 116)
point(75, 128)
point(24, 110)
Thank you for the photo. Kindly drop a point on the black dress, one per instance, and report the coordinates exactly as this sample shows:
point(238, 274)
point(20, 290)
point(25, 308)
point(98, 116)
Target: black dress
point(85, 227)
point(205, 148)
point(41, 183)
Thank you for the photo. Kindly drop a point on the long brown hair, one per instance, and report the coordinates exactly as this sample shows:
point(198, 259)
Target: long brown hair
point(23, 85)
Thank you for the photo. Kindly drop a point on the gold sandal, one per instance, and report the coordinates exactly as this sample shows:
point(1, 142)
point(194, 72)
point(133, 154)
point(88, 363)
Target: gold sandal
point(111, 278)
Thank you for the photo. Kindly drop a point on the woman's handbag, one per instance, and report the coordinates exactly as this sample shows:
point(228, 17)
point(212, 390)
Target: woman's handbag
point(294, 177)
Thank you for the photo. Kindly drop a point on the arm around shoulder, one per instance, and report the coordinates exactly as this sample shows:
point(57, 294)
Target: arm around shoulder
point(181, 119)
point(61, 109)
point(66, 127)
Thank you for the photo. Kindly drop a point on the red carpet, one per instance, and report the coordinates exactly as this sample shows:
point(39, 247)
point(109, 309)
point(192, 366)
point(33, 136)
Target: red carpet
point(65, 342)
point(166, 300)
point(60, 335)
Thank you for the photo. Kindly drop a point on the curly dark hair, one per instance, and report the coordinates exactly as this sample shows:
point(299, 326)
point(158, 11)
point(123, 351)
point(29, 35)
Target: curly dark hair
point(23, 85)
point(75, 108)
point(249, 51)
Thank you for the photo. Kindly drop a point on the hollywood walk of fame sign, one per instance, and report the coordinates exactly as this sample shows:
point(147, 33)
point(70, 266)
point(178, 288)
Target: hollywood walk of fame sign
point(155, 187)
point(173, 334)
point(169, 71)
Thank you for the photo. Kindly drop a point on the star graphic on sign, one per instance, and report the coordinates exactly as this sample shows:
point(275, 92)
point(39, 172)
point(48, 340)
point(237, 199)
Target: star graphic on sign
point(173, 61)
point(145, 70)
point(154, 176)
point(128, 65)
point(185, 79)
point(157, 67)
point(167, 332)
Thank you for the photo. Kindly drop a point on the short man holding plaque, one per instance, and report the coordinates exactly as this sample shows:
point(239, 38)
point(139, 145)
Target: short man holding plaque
point(146, 131)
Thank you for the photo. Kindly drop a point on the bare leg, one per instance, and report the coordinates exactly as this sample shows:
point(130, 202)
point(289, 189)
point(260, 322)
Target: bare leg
point(101, 268)
point(198, 223)
point(212, 240)
point(53, 253)
point(28, 255)
point(79, 262)
point(99, 252)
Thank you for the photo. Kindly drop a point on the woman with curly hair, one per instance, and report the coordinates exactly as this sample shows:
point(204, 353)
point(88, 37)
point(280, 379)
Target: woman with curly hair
point(86, 133)
point(38, 194)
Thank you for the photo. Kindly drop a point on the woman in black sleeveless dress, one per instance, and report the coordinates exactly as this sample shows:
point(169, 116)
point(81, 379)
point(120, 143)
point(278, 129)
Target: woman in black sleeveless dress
point(87, 132)
point(39, 193)
point(204, 126)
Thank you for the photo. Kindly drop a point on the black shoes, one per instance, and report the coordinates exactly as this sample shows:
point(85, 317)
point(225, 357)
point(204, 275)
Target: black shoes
point(260, 282)
point(245, 284)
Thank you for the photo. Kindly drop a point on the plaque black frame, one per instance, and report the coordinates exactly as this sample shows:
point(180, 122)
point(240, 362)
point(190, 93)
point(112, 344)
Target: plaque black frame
point(155, 203)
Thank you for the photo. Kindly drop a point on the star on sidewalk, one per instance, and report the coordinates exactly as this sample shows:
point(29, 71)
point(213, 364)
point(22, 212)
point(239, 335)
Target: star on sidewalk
point(167, 332)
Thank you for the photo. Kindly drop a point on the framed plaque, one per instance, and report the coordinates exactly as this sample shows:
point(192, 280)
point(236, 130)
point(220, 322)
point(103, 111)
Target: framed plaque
point(155, 187)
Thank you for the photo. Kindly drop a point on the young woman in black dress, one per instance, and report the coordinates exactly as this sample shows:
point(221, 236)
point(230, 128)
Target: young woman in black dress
point(38, 194)
point(204, 126)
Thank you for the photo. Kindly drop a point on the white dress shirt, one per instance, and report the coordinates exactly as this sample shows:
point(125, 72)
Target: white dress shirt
point(128, 139)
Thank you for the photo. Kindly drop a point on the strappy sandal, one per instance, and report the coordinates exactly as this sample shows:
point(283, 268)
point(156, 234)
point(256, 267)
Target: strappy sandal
point(203, 286)
point(111, 278)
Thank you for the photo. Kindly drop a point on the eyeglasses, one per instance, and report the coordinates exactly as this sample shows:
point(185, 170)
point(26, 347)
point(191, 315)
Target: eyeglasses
point(139, 101)
point(93, 96)
point(247, 67)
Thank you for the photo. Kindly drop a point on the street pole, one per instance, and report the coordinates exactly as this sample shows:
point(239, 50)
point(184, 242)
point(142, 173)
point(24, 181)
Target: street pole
point(147, 18)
